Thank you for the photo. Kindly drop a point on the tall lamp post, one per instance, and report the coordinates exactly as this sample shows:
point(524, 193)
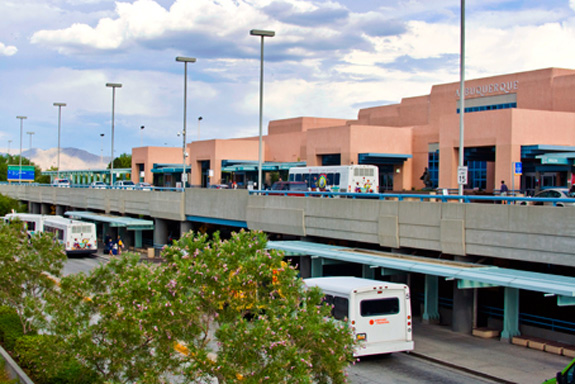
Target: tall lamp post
point(30, 133)
point(22, 118)
point(262, 34)
point(59, 105)
point(102, 149)
point(462, 98)
point(113, 86)
point(9, 142)
point(185, 60)
point(142, 136)
point(199, 119)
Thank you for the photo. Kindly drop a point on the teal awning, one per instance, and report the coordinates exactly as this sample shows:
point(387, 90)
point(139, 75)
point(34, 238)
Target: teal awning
point(129, 223)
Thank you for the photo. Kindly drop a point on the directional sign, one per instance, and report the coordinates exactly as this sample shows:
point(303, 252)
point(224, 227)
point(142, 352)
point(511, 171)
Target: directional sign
point(518, 167)
point(15, 175)
point(462, 175)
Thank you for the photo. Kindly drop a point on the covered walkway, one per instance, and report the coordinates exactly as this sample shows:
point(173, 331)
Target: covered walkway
point(120, 223)
point(467, 275)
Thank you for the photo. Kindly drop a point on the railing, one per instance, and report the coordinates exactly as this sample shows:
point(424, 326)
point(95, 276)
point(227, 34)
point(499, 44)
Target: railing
point(526, 318)
point(444, 198)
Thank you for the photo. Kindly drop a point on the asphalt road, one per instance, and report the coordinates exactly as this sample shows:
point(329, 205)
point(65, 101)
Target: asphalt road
point(403, 368)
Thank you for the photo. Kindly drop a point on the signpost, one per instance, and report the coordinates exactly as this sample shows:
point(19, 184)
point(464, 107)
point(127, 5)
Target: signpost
point(27, 173)
point(461, 175)
point(517, 171)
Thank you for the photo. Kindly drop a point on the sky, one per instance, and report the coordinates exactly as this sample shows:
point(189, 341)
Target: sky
point(327, 59)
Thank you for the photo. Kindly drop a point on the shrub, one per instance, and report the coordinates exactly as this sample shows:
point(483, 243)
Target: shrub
point(10, 327)
point(38, 356)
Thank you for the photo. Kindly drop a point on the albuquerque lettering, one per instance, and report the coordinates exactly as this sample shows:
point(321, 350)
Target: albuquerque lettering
point(482, 90)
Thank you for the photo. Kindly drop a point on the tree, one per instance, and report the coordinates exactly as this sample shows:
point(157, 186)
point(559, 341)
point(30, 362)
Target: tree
point(8, 204)
point(28, 269)
point(122, 161)
point(230, 310)
point(6, 160)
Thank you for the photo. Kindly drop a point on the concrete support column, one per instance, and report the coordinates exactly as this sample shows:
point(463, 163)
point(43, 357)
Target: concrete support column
point(35, 208)
point(316, 266)
point(60, 210)
point(510, 314)
point(160, 234)
point(431, 300)
point(367, 272)
point(462, 320)
point(185, 227)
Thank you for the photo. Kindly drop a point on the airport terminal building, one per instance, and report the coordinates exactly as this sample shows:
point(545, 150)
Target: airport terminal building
point(526, 117)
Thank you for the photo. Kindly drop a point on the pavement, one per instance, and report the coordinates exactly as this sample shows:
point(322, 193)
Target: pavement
point(491, 358)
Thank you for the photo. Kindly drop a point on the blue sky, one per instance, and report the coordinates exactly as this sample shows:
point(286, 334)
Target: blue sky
point(328, 59)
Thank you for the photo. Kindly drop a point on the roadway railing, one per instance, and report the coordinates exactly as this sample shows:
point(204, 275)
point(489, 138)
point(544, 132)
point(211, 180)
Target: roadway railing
point(431, 196)
point(520, 200)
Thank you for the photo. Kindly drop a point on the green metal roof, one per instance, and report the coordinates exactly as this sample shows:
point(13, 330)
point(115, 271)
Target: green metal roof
point(470, 275)
point(129, 223)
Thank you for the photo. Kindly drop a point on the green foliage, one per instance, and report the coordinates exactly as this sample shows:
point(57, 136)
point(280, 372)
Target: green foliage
point(39, 356)
point(4, 378)
point(28, 268)
point(10, 327)
point(227, 310)
point(6, 160)
point(122, 161)
point(8, 204)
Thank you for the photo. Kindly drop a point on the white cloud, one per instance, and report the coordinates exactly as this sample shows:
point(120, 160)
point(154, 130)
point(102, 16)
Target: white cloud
point(7, 50)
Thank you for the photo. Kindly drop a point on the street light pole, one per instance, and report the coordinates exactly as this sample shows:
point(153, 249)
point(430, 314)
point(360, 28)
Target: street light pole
point(59, 105)
point(461, 95)
point(185, 60)
point(9, 142)
point(113, 86)
point(21, 125)
point(30, 133)
point(141, 136)
point(262, 34)
point(102, 148)
point(199, 119)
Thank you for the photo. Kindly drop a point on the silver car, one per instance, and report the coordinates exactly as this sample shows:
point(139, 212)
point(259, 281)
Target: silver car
point(554, 193)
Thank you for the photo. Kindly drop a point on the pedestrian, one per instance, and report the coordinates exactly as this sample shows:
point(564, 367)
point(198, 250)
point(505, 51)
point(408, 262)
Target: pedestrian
point(426, 178)
point(120, 245)
point(503, 191)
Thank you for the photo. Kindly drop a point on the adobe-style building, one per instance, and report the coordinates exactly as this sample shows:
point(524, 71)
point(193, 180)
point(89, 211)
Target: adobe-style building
point(526, 118)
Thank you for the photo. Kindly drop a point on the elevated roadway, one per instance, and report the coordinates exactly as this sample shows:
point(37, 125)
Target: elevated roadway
point(540, 234)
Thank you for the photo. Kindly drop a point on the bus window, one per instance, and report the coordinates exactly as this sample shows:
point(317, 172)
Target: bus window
point(330, 178)
point(341, 308)
point(379, 307)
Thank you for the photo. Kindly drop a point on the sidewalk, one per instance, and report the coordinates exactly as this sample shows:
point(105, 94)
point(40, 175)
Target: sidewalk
point(503, 361)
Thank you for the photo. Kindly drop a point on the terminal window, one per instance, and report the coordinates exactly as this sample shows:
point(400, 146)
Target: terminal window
point(489, 107)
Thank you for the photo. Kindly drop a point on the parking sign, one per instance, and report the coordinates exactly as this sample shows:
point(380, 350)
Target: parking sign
point(462, 175)
point(518, 168)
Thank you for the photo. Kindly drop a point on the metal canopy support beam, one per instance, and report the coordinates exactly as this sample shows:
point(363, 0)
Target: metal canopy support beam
point(563, 301)
point(137, 239)
point(431, 300)
point(367, 272)
point(316, 267)
point(510, 314)
point(466, 284)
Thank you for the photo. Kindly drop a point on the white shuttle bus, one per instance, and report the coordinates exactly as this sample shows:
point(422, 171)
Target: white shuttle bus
point(77, 236)
point(379, 312)
point(34, 222)
point(339, 178)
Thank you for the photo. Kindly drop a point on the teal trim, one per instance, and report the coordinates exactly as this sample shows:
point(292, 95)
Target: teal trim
point(510, 313)
point(316, 267)
point(564, 301)
point(431, 299)
point(367, 272)
point(467, 284)
point(211, 220)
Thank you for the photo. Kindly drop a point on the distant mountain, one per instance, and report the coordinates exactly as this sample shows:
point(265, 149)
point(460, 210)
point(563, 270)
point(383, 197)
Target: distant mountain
point(71, 159)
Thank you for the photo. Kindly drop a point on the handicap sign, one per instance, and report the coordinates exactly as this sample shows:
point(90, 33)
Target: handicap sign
point(518, 166)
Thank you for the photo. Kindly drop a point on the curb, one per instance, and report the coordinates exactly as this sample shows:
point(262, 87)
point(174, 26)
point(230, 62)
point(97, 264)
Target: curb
point(461, 368)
